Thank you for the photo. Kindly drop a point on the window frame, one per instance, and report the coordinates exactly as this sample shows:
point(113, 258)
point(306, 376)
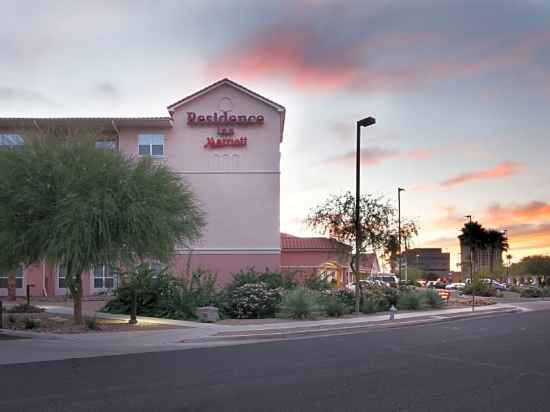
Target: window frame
point(19, 278)
point(105, 270)
point(153, 141)
point(15, 136)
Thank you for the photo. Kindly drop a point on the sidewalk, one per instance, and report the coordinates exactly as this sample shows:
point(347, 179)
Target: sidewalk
point(45, 347)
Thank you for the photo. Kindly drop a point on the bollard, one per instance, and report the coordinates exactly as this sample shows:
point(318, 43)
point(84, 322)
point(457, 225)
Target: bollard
point(393, 311)
point(1, 316)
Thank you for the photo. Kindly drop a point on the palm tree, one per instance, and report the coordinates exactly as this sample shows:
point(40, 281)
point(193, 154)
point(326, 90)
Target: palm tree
point(474, 236)
point(497, 242)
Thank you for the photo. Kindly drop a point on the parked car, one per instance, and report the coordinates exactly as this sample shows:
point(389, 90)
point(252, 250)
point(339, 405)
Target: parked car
point(455, 286)
point(495, 284)
point(390, 280)
point(436, 284)
point(366, 283)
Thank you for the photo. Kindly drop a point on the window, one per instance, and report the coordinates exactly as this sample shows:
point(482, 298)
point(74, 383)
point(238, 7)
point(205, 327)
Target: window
point(151, 145)
point(104, 277)
point(61, 277)
point(11, 141)
point(18, 279)
point(106, 144)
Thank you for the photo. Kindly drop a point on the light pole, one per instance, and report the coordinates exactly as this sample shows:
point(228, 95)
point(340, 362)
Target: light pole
point(367, 121)
point(399, 190)
point(472, 267)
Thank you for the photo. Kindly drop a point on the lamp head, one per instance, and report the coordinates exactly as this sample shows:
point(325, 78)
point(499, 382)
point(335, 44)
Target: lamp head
point(367, 121)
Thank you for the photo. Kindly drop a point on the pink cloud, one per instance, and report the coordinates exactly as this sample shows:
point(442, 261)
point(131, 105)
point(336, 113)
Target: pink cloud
point(375, 155)
point(502, 170)
point(310, 61)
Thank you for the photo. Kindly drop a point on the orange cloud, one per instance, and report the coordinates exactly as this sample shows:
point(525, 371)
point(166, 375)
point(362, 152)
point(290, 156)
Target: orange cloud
point(531, 212)
point(375, 155)
point(502, 170)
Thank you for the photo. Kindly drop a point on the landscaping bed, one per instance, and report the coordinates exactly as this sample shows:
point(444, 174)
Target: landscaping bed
point(52, 323)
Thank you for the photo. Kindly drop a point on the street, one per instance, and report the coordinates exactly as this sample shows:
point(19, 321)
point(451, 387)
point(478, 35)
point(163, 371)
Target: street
point(498, 363)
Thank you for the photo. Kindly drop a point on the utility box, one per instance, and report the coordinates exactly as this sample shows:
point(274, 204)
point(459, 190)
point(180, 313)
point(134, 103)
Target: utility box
point(208, 314)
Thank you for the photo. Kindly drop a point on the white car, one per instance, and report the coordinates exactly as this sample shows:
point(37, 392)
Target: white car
point(455, 286)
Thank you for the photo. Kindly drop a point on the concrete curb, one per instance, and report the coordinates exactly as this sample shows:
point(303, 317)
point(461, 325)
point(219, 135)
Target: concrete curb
point(346, 330)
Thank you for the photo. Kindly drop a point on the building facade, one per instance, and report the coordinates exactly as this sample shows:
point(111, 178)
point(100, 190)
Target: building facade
point(224, 142)
point(432, 261)
point(324, 257)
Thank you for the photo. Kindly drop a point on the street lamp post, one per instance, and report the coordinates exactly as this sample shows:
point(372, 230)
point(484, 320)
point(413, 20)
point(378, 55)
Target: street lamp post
point(399, 190)
point(472, 268)
point(367, 121)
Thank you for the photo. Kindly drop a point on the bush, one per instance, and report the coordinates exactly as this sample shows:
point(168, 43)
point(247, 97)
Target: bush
point(335, 308)
point(91, 323)
point(480, 288)
point(546, 292)
point(337, 302)
point(410, 301)
point(380, 298)
point(164, 295)
point(373, 304)
point(433, 299)
point(31, 323)
point(253, 300)
point(316, 281)
point(24, 308)
point(272, 280)
point(300, 303)
point(531, 293)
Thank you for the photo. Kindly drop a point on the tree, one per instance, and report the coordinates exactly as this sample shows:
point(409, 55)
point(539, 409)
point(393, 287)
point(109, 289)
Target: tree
point(474, 236)
point(409, 229)
point(64, 201)
point(496, 242)
point(336, 218)
point(537, 265)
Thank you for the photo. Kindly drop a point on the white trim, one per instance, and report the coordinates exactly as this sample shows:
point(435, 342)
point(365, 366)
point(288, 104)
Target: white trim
point(229, 172)
point(218, 84)
point(229, 251)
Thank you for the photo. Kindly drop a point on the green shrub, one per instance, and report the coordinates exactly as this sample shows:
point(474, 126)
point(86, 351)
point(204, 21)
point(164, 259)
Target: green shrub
point(410, 301)
point(335, 308)
point(31, 323)
point(381, 298)
point(316, 281)
point(91, 323)
point(481, 289)
point(253, 300)
point(433, 299)
point(531, 293)
point(272, 280)
point(373, 304)
point(337, 302)
point(546, 291)
point(164, 295)
point(24, 308)
point(300, 303)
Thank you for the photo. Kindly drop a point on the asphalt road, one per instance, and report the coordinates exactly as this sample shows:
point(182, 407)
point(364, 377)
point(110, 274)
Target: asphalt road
point(500, 363)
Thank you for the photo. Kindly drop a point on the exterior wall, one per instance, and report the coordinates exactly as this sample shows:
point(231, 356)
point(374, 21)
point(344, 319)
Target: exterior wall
point(224, 265)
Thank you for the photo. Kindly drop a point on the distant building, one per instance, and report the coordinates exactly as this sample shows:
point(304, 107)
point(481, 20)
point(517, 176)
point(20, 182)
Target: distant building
point(307, 256)
point(431, 261)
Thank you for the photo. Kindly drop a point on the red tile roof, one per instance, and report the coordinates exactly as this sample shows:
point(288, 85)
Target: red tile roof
point(290, 242)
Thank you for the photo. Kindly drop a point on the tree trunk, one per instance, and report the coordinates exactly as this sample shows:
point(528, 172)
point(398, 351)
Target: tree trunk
point(12, 286)
point(77, 306)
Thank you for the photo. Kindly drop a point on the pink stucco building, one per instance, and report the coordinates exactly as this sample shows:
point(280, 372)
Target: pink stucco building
point(321, 256)
point(224, 141)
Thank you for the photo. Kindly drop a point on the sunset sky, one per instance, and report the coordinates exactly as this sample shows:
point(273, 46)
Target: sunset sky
point(460, 91)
